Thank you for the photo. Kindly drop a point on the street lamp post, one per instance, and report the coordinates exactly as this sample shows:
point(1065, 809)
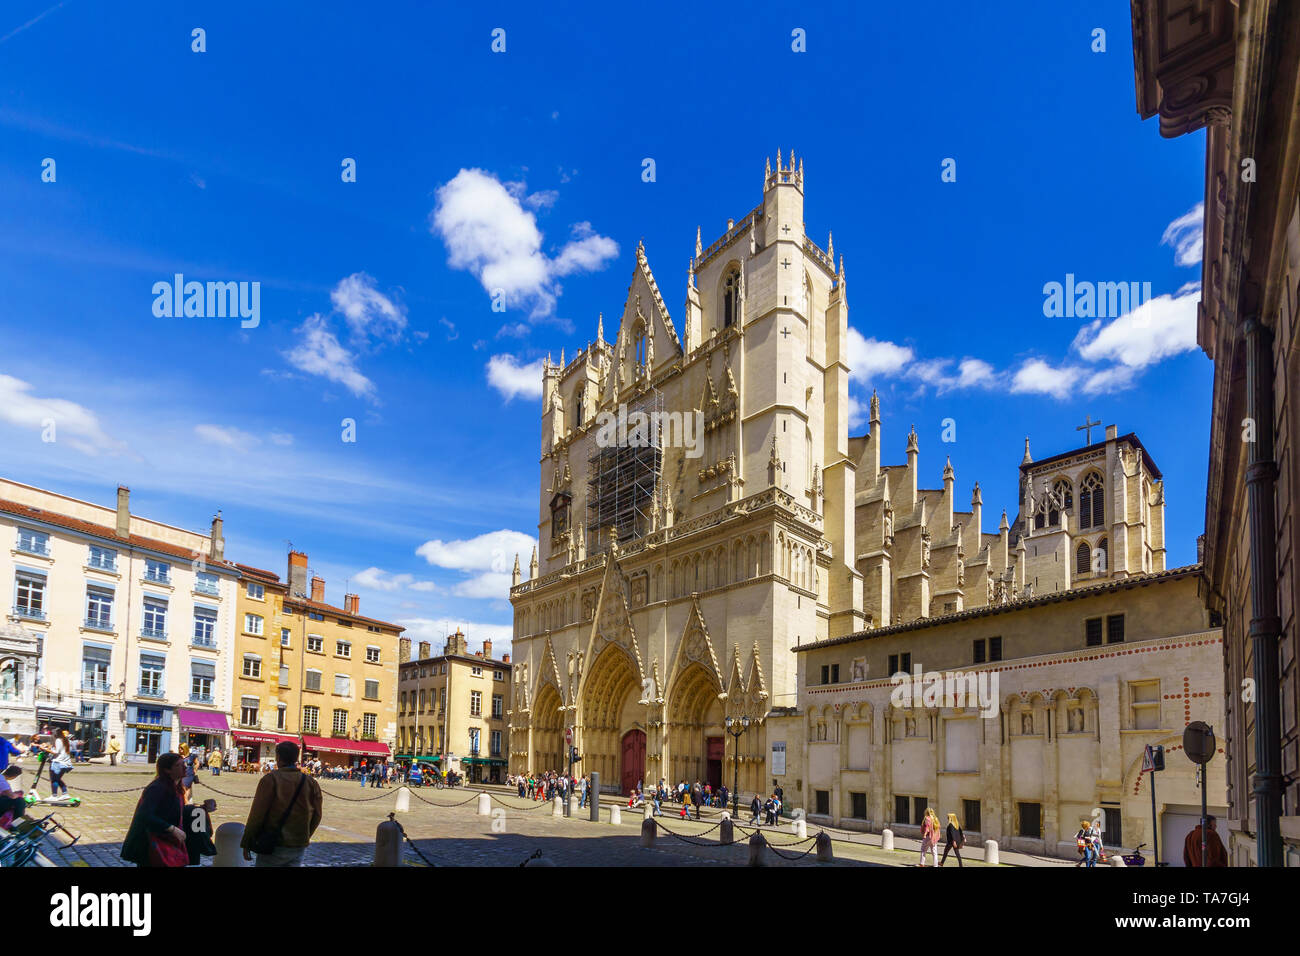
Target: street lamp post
point(736, 726)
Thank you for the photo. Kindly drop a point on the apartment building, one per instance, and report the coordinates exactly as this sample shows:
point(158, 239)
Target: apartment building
point(452, 709)
point(313, 670)
point(132, 620)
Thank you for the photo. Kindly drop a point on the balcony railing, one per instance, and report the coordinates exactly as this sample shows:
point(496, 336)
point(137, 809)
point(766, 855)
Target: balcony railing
point(37, 548)
point(154, 633)
point(204, 642)
point(206, 587)
point(155, 693)
point(99, 623)
point(102, 564)
point(30, 613)
point(200, 698)
point(158, 577)
point(94, 685)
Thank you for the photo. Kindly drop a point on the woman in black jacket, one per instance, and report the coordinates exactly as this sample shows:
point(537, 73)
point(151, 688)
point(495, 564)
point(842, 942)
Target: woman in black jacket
point(954, 840)
point(159, 811)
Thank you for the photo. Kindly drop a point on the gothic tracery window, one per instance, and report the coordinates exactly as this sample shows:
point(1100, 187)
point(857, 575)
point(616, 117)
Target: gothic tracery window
point(1092, 502)
point(1082, 559)
point(730, 298)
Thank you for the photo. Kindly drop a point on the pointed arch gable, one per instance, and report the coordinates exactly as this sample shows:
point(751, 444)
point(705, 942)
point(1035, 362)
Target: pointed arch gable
point(550, 672)
point(695, 646)
point(611, 620)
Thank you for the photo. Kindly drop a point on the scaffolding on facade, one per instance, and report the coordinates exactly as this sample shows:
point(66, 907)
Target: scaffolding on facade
point(623, 474)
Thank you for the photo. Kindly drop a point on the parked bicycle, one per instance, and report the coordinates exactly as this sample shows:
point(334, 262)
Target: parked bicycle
point(22, 841)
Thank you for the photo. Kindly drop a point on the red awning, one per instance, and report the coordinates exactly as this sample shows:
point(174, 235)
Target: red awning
point(339, 745)
point(261, 737)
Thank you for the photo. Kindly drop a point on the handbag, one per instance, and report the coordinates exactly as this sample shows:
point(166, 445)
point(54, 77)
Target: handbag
point(164, 851)
point(269, 838)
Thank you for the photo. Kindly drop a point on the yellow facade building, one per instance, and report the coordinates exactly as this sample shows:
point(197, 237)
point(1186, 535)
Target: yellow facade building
point(452, 709)
point(311, 670)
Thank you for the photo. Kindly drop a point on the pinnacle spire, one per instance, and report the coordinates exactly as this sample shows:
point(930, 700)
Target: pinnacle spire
point(778, 159)
point(841, 275)
point(1028, 459)
point(561, 356)
point(947, 469)
point(600, 326)
point(699, 246)
point(830, 246)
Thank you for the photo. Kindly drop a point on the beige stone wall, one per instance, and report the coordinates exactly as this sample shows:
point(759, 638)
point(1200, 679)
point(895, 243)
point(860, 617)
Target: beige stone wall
point(850, 738)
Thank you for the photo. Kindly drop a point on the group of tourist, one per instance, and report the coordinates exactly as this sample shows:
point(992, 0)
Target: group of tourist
point(548, 785)
point(954, 838)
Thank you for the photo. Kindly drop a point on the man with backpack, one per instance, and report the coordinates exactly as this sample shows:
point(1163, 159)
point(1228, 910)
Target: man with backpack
point(286, 812)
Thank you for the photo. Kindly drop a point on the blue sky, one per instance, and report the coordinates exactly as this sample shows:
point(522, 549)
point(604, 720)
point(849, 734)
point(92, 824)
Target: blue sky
point(523, 170)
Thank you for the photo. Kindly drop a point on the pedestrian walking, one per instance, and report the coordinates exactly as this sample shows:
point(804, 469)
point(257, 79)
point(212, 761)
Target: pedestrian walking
point(1216, 854)
point(930, 836)
point(215, 761)
point(285, 814)
point(114, 748)
point(954, 840)
point(156, 836)
point(60, 763)
point(754, 808)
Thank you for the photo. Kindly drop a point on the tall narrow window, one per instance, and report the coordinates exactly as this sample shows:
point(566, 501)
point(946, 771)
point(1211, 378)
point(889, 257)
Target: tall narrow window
point(730, 298)
point(1082, 559)
point(1092, 502)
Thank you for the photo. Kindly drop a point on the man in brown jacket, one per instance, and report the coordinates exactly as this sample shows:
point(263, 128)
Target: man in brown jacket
point(1217, 853)
point(275, 795)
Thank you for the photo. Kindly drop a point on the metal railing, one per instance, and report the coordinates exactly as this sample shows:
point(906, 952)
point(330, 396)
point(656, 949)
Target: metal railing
point(203, 642)
point(204, 588)
point(99, 623)
point(151, 692)
point(33, 547)
point(154, 633)
point(200, 698)
point(30, 613)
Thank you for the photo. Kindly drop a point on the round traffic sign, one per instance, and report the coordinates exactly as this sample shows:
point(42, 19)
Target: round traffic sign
point(1198, 742)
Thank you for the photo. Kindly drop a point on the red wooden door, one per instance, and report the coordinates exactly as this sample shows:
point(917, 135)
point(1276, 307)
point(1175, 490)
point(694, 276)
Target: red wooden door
point(716, 754)
point(633, 759)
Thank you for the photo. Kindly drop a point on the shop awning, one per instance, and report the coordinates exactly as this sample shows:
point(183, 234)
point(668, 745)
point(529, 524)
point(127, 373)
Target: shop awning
point(203, 720)
point(421, 759)
point(340, 745)
point(483, 761)
point(260, 737)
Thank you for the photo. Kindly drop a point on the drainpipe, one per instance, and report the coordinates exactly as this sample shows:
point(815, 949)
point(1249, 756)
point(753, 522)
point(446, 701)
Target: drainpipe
point(1265, 625)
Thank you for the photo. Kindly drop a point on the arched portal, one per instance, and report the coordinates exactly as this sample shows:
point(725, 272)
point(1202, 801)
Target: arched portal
point(610, 708)
point(548, 731)
point(632, 765)
point(696, 742)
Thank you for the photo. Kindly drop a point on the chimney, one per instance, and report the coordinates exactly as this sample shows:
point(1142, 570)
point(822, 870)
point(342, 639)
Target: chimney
point(351, 602)
point(424, 650)
point(297, 574)
point(505, 658)
point(1112, 432)
point(487, 649)
point(217, 543)
point(403, 650)
point(123, 511)
point(478, 653)
point(318, 590)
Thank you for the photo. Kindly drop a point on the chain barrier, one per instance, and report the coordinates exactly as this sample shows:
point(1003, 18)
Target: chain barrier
point(769, 842)
point(536, 804)
point(208, 786)
point(691, 840)
point(339, 796)
point(462, 803)
point(792, 857)
point(81, 789)
point(415, 849)
point(537, 855)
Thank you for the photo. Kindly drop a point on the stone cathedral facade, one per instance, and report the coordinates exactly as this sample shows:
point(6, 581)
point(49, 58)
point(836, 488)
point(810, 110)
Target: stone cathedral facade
point(675, 579)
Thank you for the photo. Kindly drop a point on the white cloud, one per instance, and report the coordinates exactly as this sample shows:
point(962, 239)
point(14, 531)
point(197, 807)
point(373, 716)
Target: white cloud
point(1114, 379)
point(489, 584)
point(377, 579)
point(73, 424)
point(490, 234)
point(971, 373)
point(492, 551)
point(283, 439)
point(368, 312)
point(227, 436)
point(869, 358)
point(1155, 330)
point(1037, 377)
point(511, 379)
point(318, 352)
point(1186, 236)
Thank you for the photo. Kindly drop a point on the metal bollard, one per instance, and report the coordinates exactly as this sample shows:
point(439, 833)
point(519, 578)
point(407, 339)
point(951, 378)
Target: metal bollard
point(484, 805)
point(991, 852)
point(825, 851)
point(403, 801)
point(648, 833)
point(388, 844)
point(726, 834)
point(558, 810)
point(615, 814)
point(887, 839)
point(227, 839)
point(593, 797)
point(757, 850)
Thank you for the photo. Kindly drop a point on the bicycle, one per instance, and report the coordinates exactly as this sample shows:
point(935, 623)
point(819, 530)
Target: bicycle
point(20, 844)
point(1136, 858)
